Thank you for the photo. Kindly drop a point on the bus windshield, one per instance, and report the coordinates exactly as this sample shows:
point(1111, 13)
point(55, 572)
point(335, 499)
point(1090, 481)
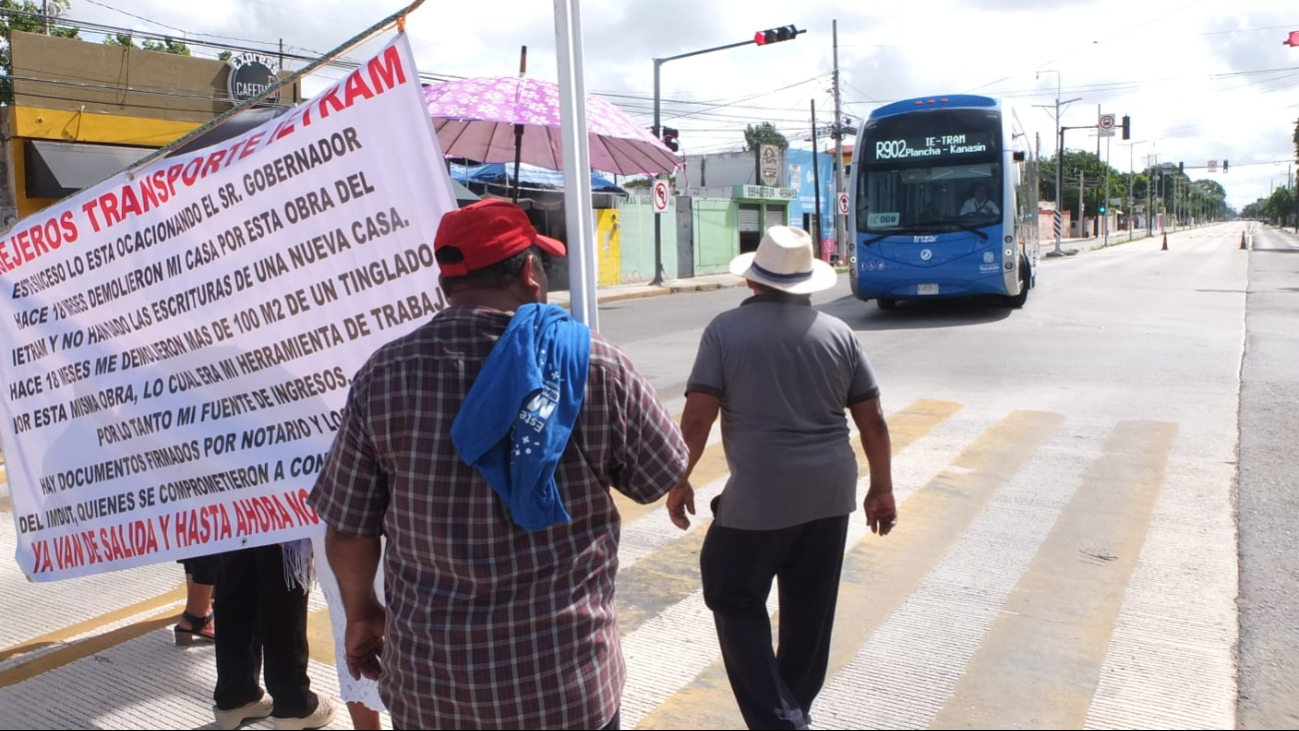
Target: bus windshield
point(932, 171)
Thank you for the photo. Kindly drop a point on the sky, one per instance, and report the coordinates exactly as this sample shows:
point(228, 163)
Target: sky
point(1201, 79)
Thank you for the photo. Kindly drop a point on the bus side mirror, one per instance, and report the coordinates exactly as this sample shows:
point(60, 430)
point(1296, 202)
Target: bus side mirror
point(1019, 156)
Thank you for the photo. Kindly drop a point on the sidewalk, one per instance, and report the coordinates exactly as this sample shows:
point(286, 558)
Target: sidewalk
point(708, 282)
point(620, 292)
point(1077, 246)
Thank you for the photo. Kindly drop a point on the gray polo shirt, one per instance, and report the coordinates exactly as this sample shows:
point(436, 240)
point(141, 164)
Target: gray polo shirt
point(784, 373)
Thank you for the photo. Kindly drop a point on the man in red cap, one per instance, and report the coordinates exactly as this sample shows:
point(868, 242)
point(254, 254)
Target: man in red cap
point(491, 621)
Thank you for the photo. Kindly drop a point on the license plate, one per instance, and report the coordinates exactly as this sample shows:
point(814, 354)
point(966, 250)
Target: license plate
point(926, 289)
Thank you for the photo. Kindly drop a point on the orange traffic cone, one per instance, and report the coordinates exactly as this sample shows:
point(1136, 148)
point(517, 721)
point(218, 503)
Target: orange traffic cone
point(1165, 242)
point(1243, 246)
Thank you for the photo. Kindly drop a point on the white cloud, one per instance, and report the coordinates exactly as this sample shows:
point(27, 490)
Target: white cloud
point(1180, 68)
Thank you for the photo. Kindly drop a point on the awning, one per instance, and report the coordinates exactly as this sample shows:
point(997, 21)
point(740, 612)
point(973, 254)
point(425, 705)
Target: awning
point(530, 177)
point(59, 169)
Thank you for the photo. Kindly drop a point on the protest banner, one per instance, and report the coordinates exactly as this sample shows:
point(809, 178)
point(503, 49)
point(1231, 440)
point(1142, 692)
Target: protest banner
point(181, 337)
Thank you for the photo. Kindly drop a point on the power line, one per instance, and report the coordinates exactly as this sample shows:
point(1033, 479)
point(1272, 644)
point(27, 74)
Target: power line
point(93, 27)
point(270, 49)
point(1249, 30)
point(137, 17)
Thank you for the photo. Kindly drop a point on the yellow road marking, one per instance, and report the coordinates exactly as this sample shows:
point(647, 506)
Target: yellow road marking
point(91, 645)
point(879, 574)
point(1041, 661)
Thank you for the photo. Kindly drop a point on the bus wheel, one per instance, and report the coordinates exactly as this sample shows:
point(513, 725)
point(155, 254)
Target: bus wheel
point(1018, 300)
point(886, 303)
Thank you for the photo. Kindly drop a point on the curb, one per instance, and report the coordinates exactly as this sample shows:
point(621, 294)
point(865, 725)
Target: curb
point(661, 291)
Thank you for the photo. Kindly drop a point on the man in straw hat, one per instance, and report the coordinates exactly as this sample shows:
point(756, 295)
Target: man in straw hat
point(781, 374)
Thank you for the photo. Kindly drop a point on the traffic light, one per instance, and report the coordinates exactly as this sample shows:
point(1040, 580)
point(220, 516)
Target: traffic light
point(1127, 127)
point(670, 139)
point(1224, 166)
point(776, 35)
point(1102, 209)
point(1292, 40)
point(1181, 170)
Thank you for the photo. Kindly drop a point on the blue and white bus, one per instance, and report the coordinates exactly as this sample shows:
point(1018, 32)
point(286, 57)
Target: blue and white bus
point(945, 193)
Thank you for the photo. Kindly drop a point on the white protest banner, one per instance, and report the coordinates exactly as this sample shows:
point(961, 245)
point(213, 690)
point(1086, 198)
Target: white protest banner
point(180, 339)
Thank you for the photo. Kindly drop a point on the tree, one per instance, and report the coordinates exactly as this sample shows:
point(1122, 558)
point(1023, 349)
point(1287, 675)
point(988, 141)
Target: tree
point(123, 40)
point(1093, 169)
point(1296, 139)
point(1255, 210)
point(646, 182)
point(224, 55)
point(168, 46)
point(1279, 206)
point(25, 16)
point(763, 134)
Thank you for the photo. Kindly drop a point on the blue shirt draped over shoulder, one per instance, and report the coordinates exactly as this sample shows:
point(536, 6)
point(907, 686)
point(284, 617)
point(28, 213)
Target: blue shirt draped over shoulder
point(517, 418)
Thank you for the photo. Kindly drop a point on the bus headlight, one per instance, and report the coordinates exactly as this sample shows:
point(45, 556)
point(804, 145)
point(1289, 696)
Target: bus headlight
point(1009, 253)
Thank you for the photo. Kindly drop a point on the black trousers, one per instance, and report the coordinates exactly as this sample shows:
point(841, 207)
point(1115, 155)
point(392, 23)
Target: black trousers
point(262, 620)
point(775, 690)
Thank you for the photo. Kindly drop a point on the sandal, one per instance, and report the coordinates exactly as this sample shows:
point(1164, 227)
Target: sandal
point(193, 635)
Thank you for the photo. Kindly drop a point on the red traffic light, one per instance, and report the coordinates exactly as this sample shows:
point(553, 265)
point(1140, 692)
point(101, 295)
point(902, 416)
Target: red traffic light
point(1293, 40)
point(776, 35)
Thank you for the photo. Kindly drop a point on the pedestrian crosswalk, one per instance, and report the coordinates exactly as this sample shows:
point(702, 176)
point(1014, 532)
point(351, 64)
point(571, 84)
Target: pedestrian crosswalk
point(1047, 571)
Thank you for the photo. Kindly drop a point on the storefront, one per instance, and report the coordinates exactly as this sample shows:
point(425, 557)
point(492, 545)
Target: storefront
point(75, 120)
point(760, 208)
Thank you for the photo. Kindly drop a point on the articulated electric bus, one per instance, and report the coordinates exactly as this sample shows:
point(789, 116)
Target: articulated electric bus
point(945, 192)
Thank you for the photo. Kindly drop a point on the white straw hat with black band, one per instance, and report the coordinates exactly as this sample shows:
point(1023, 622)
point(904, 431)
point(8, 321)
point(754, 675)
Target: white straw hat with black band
point(785, 261)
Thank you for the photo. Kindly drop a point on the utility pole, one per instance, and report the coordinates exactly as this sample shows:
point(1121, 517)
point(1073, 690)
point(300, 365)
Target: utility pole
point(1150, 184)
point(816, 182)
point(1105, 204)
point(45, 15)
point(1098, 136)
point(1059, 165)
point(1177, 201)
point(1082, 215)
point(840, 184)
point(1163, 199)
point(1131, 175)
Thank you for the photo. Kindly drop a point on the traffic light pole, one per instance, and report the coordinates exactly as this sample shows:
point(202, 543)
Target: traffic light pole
point(658, 134)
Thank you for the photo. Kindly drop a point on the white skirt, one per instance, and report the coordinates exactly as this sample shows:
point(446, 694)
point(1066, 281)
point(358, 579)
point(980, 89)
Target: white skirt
point(363, 691)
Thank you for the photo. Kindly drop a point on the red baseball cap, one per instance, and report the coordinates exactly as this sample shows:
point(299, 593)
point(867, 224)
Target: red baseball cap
point(485, 233)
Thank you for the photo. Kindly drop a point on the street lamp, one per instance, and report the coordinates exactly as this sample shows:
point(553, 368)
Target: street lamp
point(761, 38)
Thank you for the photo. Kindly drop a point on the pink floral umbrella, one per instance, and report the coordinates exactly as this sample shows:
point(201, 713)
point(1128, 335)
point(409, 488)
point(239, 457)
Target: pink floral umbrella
point(476, 119)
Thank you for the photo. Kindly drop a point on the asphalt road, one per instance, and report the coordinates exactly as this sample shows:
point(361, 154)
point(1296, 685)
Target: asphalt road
point(1067, 556)
point(1269, 488)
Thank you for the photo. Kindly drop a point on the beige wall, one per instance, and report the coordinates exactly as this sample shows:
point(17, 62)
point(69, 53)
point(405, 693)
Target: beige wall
point(100, 79)
point(80, 91)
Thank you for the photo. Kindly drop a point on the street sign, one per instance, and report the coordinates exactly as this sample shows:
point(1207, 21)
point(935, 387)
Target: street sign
point(1213, 166)
point(1107, 122)
point(1105, 133)
point(843, 204)
point(660, 196)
